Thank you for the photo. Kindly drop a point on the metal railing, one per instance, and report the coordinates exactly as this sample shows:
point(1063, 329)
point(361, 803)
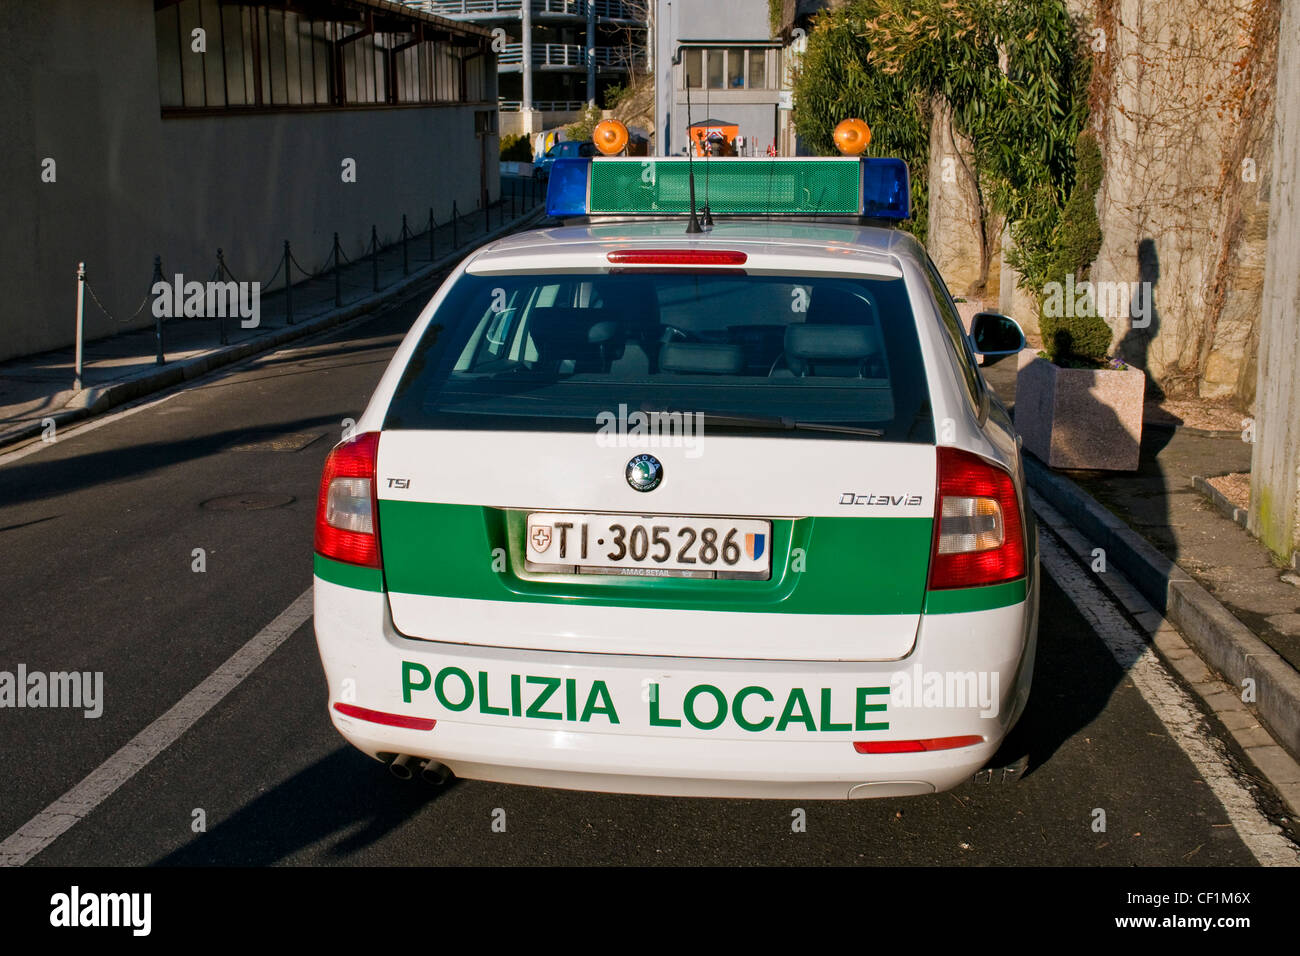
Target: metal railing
point(521, 197)
point(573, 54)
point(545, 106)
point(545, 54)
point(618, 57)
point(466, 9)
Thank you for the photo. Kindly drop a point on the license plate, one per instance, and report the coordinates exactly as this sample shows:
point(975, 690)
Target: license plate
point(648, 545)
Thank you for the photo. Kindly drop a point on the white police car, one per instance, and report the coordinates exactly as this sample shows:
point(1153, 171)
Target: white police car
point(719, 513)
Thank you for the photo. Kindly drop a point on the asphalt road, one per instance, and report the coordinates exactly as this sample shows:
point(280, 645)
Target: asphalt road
point(98, 533)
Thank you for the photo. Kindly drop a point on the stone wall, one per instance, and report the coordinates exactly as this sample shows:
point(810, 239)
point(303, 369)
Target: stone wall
point(1182, 102)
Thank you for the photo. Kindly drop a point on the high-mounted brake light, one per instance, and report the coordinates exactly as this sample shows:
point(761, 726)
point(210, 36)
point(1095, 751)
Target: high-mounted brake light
point(678, 257)
point(978, 532)
point(347, 507)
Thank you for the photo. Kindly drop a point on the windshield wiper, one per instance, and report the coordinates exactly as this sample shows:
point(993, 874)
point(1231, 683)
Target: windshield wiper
point(773, 422)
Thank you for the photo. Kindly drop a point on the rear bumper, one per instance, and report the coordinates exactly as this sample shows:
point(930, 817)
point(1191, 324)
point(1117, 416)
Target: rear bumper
point(679, 726)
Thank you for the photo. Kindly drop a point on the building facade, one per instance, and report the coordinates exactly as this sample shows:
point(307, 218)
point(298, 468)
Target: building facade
point(555, 56)
point(143, 128)
point(720, 57)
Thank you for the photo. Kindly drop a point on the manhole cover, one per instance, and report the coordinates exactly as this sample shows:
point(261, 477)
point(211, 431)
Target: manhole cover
point(248, 501)
point(295, 442)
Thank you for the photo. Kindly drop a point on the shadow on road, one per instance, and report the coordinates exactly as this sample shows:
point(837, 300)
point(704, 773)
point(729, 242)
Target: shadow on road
point(40, 478)
point(345, 796)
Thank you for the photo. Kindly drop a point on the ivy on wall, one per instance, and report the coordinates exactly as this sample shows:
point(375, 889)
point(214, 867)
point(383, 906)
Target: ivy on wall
point(1014, 73)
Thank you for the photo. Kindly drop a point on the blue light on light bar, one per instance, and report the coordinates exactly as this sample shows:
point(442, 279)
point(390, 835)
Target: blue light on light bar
point(886, 190)
point(566, 189)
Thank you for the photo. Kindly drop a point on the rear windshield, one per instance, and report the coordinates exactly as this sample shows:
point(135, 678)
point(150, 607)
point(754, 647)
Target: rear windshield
point(773, 354)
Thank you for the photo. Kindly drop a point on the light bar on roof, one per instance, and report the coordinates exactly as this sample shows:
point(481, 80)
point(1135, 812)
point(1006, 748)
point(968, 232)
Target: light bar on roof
point(874, 187)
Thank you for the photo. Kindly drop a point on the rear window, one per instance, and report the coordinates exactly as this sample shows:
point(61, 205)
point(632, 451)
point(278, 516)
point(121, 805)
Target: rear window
point(558, 352)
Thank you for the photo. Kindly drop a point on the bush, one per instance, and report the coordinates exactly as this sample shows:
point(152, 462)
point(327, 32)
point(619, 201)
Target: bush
point(582, 129)
point(1072, 338)
point(516, 149)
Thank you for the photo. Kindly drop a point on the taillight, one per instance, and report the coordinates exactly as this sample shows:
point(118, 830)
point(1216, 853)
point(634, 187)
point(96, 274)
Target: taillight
point(978, 534)
point(347, 507)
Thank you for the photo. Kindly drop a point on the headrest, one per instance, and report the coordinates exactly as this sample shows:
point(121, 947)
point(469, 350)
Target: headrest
point(701, 358)
point(829, 343)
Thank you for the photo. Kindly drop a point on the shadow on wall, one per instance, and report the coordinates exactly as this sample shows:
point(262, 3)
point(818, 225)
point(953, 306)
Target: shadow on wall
point(1135, 347)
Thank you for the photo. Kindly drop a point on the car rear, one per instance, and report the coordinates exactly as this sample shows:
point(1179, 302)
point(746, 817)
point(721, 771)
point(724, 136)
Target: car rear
point(671, 516)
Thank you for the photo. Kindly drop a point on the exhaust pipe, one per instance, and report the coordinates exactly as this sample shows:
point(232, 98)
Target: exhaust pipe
point(401, 767)
point(435, 773)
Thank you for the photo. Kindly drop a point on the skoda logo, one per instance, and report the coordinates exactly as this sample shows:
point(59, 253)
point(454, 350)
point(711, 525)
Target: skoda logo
point(645, 473)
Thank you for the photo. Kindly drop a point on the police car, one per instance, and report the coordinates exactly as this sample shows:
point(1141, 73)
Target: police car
point(648, 506)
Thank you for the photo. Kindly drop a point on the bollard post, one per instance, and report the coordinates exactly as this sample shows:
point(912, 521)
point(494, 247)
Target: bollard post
point(221, 275)
point(81, 301)
point(157, 319)
point(431, 228)
point(406, 268)
point(338, 290)
point(374, 259)
point(455, 242)
point(288, 285)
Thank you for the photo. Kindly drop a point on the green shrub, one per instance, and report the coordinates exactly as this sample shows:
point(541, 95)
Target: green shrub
point(1071, 338)
point(582, 129)
point(516, 149)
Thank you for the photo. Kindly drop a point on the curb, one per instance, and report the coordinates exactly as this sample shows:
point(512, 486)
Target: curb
point(1238, 515)
point(1224, 642)
point(1220, 500)
point(98, 399)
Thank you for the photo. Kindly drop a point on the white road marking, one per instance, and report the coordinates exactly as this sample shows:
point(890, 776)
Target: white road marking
point(52, 822)
point(1172, 704)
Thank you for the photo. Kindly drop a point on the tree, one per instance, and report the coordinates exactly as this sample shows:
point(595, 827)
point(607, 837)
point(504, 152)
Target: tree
point(1013, 71)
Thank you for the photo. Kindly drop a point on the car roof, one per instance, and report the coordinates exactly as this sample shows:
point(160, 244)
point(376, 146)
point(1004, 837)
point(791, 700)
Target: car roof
point(769, 243)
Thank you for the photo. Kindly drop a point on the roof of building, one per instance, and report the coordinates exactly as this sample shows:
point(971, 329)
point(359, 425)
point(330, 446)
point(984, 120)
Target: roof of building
point(412, 13)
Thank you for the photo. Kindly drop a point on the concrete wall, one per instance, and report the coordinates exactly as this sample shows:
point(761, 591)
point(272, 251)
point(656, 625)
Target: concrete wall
point(1183, 106)
point(731, 21)
point(80, 83)
point(1275, 459)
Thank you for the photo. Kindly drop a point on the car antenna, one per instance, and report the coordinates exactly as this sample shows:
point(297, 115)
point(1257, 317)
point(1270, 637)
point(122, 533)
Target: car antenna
point(694, 225)
point(706, 217)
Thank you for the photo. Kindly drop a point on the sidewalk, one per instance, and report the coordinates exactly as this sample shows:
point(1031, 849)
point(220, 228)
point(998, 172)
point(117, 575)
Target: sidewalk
point(1193, 562)
point(37, 389)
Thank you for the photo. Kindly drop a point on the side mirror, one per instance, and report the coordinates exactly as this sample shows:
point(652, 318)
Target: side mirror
point(993, 334)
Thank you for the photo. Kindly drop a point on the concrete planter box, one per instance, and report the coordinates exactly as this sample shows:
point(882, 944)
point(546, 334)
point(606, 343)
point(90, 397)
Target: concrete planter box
point(1079, 418)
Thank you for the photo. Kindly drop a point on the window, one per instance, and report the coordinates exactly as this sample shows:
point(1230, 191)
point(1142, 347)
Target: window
point(713, 68)
point(260, 56)
point(957, 336)
point(758, 69)
point(722, 68)
point(735, 69)
point(694, 66)
point(551, 351)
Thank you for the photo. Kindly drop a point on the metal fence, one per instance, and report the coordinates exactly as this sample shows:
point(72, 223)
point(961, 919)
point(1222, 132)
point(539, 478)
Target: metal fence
point(523, 196)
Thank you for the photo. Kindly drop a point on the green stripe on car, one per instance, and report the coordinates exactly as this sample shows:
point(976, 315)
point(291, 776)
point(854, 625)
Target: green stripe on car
point(822, 565)
point(349, 575)
point(960, 600)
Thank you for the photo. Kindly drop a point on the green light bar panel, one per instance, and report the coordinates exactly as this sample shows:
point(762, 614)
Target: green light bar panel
point(828, 187)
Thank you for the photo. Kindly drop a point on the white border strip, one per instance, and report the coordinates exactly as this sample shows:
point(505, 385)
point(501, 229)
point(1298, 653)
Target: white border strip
point(1171, 703)
point(75, 805)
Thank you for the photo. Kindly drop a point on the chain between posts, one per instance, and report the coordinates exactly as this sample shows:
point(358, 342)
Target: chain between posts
point(334, 263)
